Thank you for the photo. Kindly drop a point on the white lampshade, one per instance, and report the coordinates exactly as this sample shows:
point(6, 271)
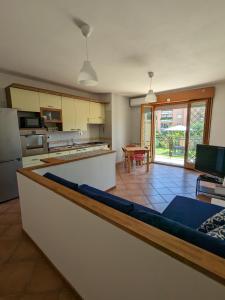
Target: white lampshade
point(87, 76)
point(150, 97)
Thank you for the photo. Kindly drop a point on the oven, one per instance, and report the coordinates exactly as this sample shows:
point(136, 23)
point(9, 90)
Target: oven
point(34, 142)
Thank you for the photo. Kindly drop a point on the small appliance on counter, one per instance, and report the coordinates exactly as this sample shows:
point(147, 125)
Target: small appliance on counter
point(31, 122)
point(10, 153)
point(34, 141)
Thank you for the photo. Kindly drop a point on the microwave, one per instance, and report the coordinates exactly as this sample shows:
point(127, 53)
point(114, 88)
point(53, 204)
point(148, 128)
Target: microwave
point(31, 122)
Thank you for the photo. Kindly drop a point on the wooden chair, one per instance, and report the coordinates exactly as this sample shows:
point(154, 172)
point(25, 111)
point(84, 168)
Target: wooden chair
point(126, 157)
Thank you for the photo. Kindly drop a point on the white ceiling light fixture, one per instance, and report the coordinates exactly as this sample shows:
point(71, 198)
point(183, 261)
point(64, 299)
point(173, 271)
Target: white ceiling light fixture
point(151, 96)
point(87, 75)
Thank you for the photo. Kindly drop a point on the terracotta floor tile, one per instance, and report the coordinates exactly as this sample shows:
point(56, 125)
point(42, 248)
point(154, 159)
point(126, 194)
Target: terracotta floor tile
point(156, 199)
point(7, 247)
point(168, 198)
point(160, 207)
point(140, 200)
point(41, 296)
point(13, 232)
point(15, 277)
point(150, 192)
point(44, 279)
point(68, 294)
point(14, 208)
point(10, 218)
point(2, 230)
point(164, 191)
point(3, 208)
point(26, 250)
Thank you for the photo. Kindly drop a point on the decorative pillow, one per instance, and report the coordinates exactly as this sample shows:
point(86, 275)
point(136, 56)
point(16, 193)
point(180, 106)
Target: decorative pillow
point(212, 223)
point(218, 233)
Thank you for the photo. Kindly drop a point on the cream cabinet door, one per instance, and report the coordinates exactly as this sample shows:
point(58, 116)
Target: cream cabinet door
point(29, 161)
point(82, 114)
point(68, 114)
point(96, 113)
point(57, 154)
point(25, 100)
point(50, 101)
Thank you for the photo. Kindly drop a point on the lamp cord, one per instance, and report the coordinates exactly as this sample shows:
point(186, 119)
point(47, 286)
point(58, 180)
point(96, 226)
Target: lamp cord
point(150, 83)
point(87, 49)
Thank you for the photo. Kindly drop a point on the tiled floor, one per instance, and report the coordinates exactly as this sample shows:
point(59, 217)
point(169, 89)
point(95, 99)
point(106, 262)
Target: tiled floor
point(25, 274)
point(157, 188)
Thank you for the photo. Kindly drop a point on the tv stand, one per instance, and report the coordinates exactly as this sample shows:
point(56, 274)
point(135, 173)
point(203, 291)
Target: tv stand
point(210, 191)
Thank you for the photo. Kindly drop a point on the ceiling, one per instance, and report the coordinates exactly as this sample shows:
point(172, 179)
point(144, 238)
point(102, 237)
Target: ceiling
point(182, 41)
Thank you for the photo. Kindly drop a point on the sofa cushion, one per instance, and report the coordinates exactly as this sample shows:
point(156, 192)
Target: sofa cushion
point(212, 223)
point(60, 180)
point(218, 233)
point(183, 232)
point(113, 201)
point(118, 203)
point(190, 212)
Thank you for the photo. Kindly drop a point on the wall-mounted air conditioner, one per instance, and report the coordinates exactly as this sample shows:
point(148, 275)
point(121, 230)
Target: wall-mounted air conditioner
point(137, 101)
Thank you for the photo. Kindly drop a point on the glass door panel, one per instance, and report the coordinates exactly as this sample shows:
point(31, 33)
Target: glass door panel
point(195, 129)
point(170, 133)
point(146, 128)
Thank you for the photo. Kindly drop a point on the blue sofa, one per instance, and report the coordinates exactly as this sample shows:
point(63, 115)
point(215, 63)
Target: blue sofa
point(181, 218)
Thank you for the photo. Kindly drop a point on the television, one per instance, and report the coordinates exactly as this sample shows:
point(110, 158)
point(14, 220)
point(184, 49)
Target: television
point(210, 160)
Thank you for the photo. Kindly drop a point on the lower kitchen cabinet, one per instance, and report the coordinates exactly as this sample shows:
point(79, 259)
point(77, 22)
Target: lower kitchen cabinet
point(30, 161)
point(57, 154)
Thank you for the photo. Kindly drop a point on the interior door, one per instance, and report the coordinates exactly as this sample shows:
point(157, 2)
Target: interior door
point(197, 129)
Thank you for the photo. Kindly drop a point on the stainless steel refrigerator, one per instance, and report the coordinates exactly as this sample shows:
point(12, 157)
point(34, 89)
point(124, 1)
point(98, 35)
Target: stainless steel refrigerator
point(10, 153)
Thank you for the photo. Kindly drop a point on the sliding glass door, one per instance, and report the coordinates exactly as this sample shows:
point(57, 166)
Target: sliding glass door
point(197, 131)
point(172, 131)
point(146, 132)
point(170, 134)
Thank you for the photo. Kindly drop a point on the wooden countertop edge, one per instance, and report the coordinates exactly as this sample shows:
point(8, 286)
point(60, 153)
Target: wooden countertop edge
point(198, 258)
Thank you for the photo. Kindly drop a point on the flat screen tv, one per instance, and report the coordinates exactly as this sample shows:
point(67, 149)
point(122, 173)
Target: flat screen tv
point(211, 160)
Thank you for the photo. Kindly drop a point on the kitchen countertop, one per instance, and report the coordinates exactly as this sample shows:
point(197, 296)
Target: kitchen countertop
point(76, 146)
point(77, 156)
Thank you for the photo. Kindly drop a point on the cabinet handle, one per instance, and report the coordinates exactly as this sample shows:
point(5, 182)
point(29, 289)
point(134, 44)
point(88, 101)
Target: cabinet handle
point(58, 153)
point(50, 106)
point(34, 159)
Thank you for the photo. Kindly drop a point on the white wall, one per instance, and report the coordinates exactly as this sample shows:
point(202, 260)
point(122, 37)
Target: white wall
point(217, 136)
point(121, 122)
point(136, 124)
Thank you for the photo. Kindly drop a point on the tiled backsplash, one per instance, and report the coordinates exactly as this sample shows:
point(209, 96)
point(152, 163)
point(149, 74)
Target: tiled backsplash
point(57, 139)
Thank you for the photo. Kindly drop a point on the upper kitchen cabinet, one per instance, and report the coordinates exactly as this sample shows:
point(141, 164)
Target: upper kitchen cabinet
point(82, 114)
point(24, 100)
point(75, 114)
point(50, 101)
point(68, 114)
point(96, 113)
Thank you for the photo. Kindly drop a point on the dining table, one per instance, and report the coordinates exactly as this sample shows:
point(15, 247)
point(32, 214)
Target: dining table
point(129, 151)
